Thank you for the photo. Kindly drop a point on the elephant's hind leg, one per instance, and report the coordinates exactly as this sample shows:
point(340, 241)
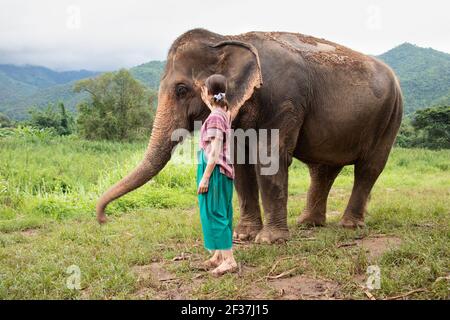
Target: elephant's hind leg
point(366, 174)
point(370, 166)
point(250, 222)
point(322, 178)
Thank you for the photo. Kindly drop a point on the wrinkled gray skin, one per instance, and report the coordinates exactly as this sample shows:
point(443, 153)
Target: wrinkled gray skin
point(333, 106)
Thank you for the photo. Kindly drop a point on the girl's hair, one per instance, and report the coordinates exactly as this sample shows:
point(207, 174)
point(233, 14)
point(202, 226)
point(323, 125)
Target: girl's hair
point(217, 87)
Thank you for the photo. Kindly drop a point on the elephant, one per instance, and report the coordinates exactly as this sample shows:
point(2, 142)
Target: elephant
point(333, 107)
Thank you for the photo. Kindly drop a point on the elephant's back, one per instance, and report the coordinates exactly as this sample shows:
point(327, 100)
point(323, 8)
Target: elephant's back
point(311, 49)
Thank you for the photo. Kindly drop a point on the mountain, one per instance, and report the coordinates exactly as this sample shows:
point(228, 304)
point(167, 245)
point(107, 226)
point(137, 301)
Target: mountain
point(24, 86)
point(424, 75)
point(42, 77)
point(149, 73)
point(18, 109)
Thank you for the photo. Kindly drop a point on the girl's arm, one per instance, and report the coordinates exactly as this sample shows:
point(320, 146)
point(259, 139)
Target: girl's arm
point(213, 155)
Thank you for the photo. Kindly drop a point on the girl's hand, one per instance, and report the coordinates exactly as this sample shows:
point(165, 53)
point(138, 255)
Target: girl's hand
point(205, 97)
point(203, 185)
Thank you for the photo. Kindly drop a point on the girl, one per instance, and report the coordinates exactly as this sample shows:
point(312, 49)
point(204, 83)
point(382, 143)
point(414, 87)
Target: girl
point(215, 176)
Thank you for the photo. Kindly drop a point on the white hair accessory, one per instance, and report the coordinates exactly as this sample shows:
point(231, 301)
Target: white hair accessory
point(219, 96)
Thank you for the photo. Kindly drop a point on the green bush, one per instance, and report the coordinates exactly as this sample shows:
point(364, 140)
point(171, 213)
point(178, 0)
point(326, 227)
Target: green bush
point(29, 133)
point(120, 108)
point(55, 118)
point(5, 122)
point(427, 128)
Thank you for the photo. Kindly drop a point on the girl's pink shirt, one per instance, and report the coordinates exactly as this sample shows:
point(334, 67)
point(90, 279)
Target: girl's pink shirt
point(218, 126)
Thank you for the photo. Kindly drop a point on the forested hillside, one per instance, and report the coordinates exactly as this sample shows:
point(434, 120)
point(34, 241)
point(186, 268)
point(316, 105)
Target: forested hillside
point(22, 87)
point(149, 73)
point(424, 75)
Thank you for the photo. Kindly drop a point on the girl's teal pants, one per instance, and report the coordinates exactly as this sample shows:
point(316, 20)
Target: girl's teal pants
point(216, 208)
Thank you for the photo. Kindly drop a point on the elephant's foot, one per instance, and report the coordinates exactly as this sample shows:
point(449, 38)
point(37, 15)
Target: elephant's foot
point(246, 231)
point(271, 235)
point(312, 219)
point(352, 222)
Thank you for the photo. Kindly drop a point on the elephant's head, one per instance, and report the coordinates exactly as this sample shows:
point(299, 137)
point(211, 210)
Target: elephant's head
point(193, 57)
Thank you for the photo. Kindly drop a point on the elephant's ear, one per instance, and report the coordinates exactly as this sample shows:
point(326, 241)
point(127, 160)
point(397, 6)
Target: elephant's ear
point(239, 62)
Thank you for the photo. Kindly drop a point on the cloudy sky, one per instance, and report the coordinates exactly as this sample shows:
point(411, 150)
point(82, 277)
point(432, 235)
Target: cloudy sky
point(108, 34)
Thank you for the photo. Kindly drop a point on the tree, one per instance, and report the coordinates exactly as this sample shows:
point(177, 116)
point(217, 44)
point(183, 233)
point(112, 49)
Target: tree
point(5, 122)
point(434, 124)
point(407, 136)
point(119, 108)
point(52, 117)
point(426, 128)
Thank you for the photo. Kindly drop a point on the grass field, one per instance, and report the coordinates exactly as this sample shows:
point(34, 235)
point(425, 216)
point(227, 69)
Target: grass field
point(152, 247)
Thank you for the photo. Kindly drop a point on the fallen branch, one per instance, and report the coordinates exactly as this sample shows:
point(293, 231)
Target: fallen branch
point(307, 239)
point(281, 275)
point(275, 265)
point(406, 294)
point(442, 278)
point(347, 244)
point(183, 256)
point(369, 295)
point(272, 269)
point(198, 276)
point(304, 239)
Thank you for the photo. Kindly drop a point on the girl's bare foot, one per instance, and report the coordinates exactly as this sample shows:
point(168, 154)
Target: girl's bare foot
point(227, 266)
point(210, 263)
point(214, 261)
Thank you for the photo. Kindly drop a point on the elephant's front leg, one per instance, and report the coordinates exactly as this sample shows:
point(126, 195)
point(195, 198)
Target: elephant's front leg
point(274, 194)
point(250, 222)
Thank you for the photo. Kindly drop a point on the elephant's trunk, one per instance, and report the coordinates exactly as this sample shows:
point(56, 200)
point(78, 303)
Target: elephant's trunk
point(157, 155)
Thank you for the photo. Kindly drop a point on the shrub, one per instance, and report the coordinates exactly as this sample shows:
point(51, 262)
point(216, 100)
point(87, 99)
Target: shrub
point(55, 118)
point(120, 108)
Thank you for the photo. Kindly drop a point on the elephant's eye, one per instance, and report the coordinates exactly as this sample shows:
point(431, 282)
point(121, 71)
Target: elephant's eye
point(181, 90)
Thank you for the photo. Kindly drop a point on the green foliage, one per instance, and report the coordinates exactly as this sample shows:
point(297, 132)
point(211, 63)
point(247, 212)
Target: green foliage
point(120, 107)
point(29, 133)
point(424, 75)
point(435, 124)
point(55, 118)
point(51, 176)
point(5, 122)
point(25, 86)
point(6, 132)
point(427, 128)
point(149, 73)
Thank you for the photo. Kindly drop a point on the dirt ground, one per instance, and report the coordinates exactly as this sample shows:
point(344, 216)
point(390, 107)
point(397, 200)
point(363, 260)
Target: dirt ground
point(157, 282)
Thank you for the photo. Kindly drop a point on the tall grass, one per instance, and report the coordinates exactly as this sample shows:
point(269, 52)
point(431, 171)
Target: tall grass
point(61, 177)
point(53, 183)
